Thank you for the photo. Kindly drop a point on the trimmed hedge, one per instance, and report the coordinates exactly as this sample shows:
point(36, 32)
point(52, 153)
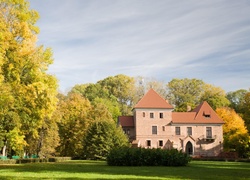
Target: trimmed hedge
point(34, 160)
point(126, 156)
point(8, 161)
point(59, 159)
point(37, 160)
point(220, 159)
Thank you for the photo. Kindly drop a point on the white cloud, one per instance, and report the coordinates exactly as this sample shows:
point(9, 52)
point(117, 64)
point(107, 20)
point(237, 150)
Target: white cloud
point(207, 40)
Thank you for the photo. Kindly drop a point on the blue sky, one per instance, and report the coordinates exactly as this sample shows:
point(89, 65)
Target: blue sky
point(91, 40)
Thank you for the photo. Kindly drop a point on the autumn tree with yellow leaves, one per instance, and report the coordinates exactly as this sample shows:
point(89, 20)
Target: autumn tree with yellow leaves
point(27, 92)
point(235, 134)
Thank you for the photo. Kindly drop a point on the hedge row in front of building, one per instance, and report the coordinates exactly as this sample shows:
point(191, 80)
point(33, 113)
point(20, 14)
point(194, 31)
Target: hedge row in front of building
point(126, 156)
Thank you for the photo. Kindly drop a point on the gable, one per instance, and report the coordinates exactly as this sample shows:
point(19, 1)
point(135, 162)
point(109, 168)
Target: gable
point(202, 114)
point(153, 100)
point(206, 113)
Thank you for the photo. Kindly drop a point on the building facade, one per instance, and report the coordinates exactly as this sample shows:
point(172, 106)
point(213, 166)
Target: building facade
point(155, 125)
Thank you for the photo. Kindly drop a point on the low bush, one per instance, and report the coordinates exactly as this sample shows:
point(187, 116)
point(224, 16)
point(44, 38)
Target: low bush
point(8, 161)
point(59, 159)
point(34, 160)
point(31, 160)
point(37, 160)
point(126, 156)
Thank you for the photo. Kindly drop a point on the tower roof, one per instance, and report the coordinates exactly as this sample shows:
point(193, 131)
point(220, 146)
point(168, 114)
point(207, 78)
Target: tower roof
point(153, 100)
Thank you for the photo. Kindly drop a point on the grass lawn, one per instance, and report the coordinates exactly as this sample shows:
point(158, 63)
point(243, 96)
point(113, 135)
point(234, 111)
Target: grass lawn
point(99, 170)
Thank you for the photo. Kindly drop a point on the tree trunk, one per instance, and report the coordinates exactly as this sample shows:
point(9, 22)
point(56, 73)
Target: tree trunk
point(5, 148)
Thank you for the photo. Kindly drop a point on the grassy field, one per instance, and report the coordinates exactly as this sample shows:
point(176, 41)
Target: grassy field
point(99, 170)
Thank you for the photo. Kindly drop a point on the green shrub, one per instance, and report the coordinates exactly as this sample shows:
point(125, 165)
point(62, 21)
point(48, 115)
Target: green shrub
point(42, 160)
point(8, 161)
point(34, 160)
point(126, 156)
point(31, 160)
point(59, 159)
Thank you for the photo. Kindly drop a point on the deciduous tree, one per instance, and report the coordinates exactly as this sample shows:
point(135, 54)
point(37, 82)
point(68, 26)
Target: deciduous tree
point(121, 87)
point(234, 131)
point(143, 84)
point(246, 110)
point(215, 96)
point(23, 72)
point(111, 106)
point(237, 99)
point(185, 92)
point(91, 91)
point(73, 120)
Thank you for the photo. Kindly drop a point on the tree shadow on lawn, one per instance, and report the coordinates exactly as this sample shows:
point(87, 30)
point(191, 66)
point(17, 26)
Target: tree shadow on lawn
point(99, 170)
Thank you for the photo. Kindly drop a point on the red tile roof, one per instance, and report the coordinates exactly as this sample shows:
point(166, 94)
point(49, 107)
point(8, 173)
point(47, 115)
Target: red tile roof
point(126, 121)
point(197, 116)
point(153, 100)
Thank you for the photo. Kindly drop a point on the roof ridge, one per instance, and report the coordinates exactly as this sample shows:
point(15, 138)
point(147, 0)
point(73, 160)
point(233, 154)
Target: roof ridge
point(153, 100)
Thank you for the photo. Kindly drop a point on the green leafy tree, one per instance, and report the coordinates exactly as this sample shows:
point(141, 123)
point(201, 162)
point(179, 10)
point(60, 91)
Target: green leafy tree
point(240, 102)
point(246, 110)
point(99, 98)
point(23, 65)
point(215, 96)
point(100, 111)
point(237, 100)
point(122, 88)
point(185, 92)
point(101, 137)
point(116, 89)
point(111, 106)
point(91, 91)
point(79, 88)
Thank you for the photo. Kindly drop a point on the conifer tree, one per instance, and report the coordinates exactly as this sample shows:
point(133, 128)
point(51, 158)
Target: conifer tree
point(101, 137)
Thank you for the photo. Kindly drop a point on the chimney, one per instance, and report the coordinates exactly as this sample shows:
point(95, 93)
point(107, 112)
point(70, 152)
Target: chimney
point(188, 108)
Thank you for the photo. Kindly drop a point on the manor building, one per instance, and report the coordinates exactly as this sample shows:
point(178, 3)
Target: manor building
point(155, 125)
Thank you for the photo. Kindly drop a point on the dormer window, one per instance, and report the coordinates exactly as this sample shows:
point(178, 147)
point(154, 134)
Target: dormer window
point(206, 114)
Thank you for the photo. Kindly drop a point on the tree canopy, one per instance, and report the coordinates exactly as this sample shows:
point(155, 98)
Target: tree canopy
point(235, 133)
point(183, 92)
point(215, 96)
point(237, 100)
point(191, 92)
point(240, 102)
point(72, 114)
point(30, 92)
